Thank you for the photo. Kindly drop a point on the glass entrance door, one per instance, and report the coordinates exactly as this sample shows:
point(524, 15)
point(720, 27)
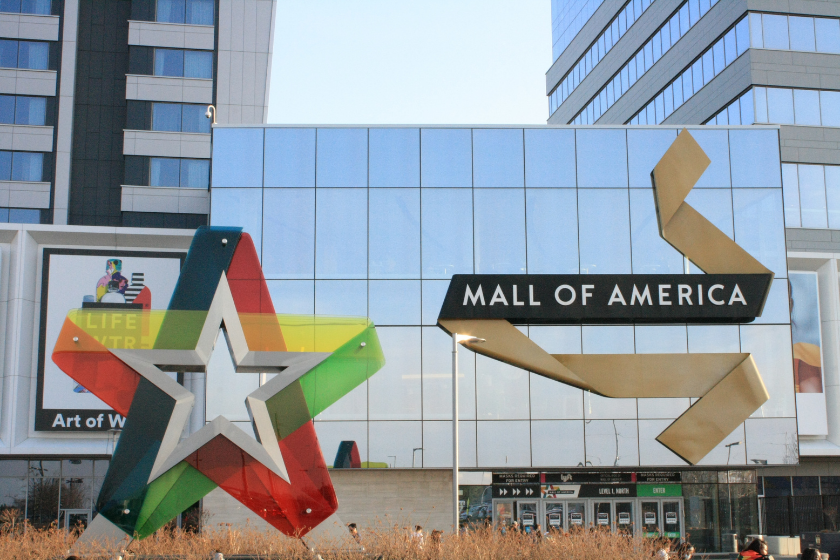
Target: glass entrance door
point(576, 512)
point(554, 514)
point(527, 515)
point(672, 519)
point(503, 513)
point(650, 519)
point(603, 515)
point(625, 522)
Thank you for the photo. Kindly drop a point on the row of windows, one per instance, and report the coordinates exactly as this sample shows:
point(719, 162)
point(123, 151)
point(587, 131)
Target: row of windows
point(39, 7)
point(711, 63)
point(740, 111)
point(602, 45)
point(659, 44)
point(184, 63)
point(795, 33)
point(21, 109)
point(777, 486)
point(812, 195)
point(21, 216)
point(807, 107)
point(21, 166)
point(568, 18)
point(480, 158)
point(180, 117)
point(179, 172)
point(193, 12)
point(31, 55)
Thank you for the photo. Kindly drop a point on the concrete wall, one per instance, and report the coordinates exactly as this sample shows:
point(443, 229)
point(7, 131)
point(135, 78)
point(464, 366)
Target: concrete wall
point(371, 498)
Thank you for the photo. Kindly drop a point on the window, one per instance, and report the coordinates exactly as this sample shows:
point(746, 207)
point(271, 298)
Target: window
point(179, 117)
point(184, 64)
point(175, 172)
point(193, 12)
point(21, 166)
point(40, 7)
point(18, 109)
point(31, 55)
point(20, 216)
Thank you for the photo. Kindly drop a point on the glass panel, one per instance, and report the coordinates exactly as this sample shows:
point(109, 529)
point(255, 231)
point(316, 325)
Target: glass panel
point(7, 109)
point(238, 157)
point(702, 520)
point(802, 33)
point(777, 486)
point(759, 226)
point(290, 160)
point(40, 7)
point(527, 513)
point(226, 389)
point(601, 158)
point(166, 172)
point(394, 233)
point(395, 390)
point(24, 216)
point(503, 444)
point(166, 117)
point(27, 166)
point(549, 158)
point(437, 377)
point(827, 35)
point(8, 53)
point(394, 302)
point(577, 515)
point(200, 12)
point(242, 208)
point(770, 345)
point(289, 230)
point(806, 485)
point(341, 233)
point(446, 157)
point(650, 519)
point(394, 157)
point(645, 148)
point(756, 40)
point(605, 233)
point(501, 390)
point(755, 158)
point(5, 166)
point(169, 62)
point(671, 519)
point(830, 108)
point(447, 232)
point(293, 296)
point(437, 450)
point(612, 443)
point(499, 231)
point(775, 32)
point(812, 196)
point(193, 119)
point(780, 105)
point(342, 159)
point(651, 253)
point(170, 11)
point(651, 452)
point(552, 231)
point(34, 56)
point(195, 173)
point(760, 95)
point(625, 520)
point(42, 503)
point(503, 513)
point(332, 434)
point(30, 110)
point(806, 107)
point(433, 293)
point(772, 439)
point(498, 158)
point(13, 499)
point(198, 64)
point(341, 297)
point(832, 194)
point(557, 443)
point(716, 145)
point(602, 512)
point(554, 514)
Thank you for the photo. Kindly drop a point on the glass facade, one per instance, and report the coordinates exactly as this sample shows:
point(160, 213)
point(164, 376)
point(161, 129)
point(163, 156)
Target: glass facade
point(568, 17)
point(357, 221)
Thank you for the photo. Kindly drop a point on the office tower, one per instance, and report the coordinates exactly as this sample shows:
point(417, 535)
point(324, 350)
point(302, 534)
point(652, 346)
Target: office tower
point(102, 105)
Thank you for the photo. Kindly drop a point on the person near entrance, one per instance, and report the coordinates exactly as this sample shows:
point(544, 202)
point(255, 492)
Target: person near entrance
point(756, 550)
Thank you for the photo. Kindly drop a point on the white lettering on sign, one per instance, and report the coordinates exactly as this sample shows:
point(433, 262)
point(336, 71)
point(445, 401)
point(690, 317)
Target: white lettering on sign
point(737, 296)
point(586, 292)
point(684, 292)
point(617, 297)
point(531, 299)
point(712, 291)
point(562, 301)
point(478, 295)
point(645, 295)
point(498, 296)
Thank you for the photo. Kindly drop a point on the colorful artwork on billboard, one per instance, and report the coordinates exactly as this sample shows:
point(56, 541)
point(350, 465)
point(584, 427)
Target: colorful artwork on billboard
point(807, 353)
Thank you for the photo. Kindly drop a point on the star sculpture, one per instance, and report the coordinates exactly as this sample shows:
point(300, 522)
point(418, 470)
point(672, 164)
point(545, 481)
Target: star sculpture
point(121, 356)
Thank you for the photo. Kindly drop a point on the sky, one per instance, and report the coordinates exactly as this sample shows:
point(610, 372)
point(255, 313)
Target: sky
point(410, 62)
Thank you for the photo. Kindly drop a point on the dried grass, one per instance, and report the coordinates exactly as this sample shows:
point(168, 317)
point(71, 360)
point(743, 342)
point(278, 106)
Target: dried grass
point(385, 544)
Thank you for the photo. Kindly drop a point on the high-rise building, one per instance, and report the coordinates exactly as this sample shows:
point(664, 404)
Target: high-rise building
point(709, 62)
point(103, 102)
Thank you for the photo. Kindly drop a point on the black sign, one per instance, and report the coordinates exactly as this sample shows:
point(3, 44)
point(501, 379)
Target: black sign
point(658, 477)
point(607, 298)
point(589, 477)
point(516, 478)
point(607, 491)
point(516, 491)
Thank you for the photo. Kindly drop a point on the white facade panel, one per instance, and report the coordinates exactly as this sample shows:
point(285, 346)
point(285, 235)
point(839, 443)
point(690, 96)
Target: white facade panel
point(172, 35)
point(26, 138)
point(176, 90)
point(29, 26)
point(28, 82)
point(166, 144)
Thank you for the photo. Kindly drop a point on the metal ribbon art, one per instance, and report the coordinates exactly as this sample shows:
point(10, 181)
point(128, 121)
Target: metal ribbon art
point(121, 356)
point(728, 385)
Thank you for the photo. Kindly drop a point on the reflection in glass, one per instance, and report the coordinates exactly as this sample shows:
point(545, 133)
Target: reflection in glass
point(341, 233)
point(716, 206)
point(644, 150)
point(433, 293)
point(42, 501)
point(656, 339)
point(393, 443)
point(759, 226)
point(715, 144)
point(293, 296)
point(736, 454)
point(775, 32)
point(713, 338)
point(290, 157)
point(755, 158)
point(806, 106)
point(394, 157)
point(770, 346)
point(499, 231)
point(437, 377)
point(394, 233)
point(437, 444)
point(790, 190)
point(501, 390)
point(341, 297)
point(238, 208)
point(394, 391)
point(504, 444)
point(331, 434)
point(651, 452)
point(552, 231)
point(498, 158)
point(802, 33)
point(773, 440)
point(447, 232)
point(812, 196)
point(827, 35)
point(552, 400)
point(342, 157)
point(237, 157)
point(557, 443)
point(446, 157)
point(611, 443)
point(605, 233)
point(651, 253)
point(289, 232)
point(394, 302)
point(601, 158)
point(780, 106)
point(549, 158)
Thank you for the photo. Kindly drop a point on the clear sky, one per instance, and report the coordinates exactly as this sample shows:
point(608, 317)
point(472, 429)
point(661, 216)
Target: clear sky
point(410, 62)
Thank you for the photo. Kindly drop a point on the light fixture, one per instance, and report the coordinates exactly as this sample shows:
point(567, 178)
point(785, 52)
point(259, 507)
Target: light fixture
point(213, 115)
point(759, 461)
point(467, 339)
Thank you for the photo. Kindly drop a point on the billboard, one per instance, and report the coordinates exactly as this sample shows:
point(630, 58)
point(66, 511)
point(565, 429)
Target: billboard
point(92, 279)
point(808, 376)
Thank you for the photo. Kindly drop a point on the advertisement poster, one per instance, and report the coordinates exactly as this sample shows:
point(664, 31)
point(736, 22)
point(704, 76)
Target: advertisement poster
point(807, 353)
point(91, 279)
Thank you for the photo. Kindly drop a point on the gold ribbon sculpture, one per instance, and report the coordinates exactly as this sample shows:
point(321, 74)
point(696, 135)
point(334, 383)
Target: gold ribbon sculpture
point(728, 385)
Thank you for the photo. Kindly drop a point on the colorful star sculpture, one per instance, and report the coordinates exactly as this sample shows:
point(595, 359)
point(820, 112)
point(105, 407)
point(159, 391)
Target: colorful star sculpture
point(121, 356)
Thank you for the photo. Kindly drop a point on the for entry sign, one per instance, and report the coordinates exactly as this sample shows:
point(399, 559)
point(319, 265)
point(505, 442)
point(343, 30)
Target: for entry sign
point(516, 478)
point(516, 491)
